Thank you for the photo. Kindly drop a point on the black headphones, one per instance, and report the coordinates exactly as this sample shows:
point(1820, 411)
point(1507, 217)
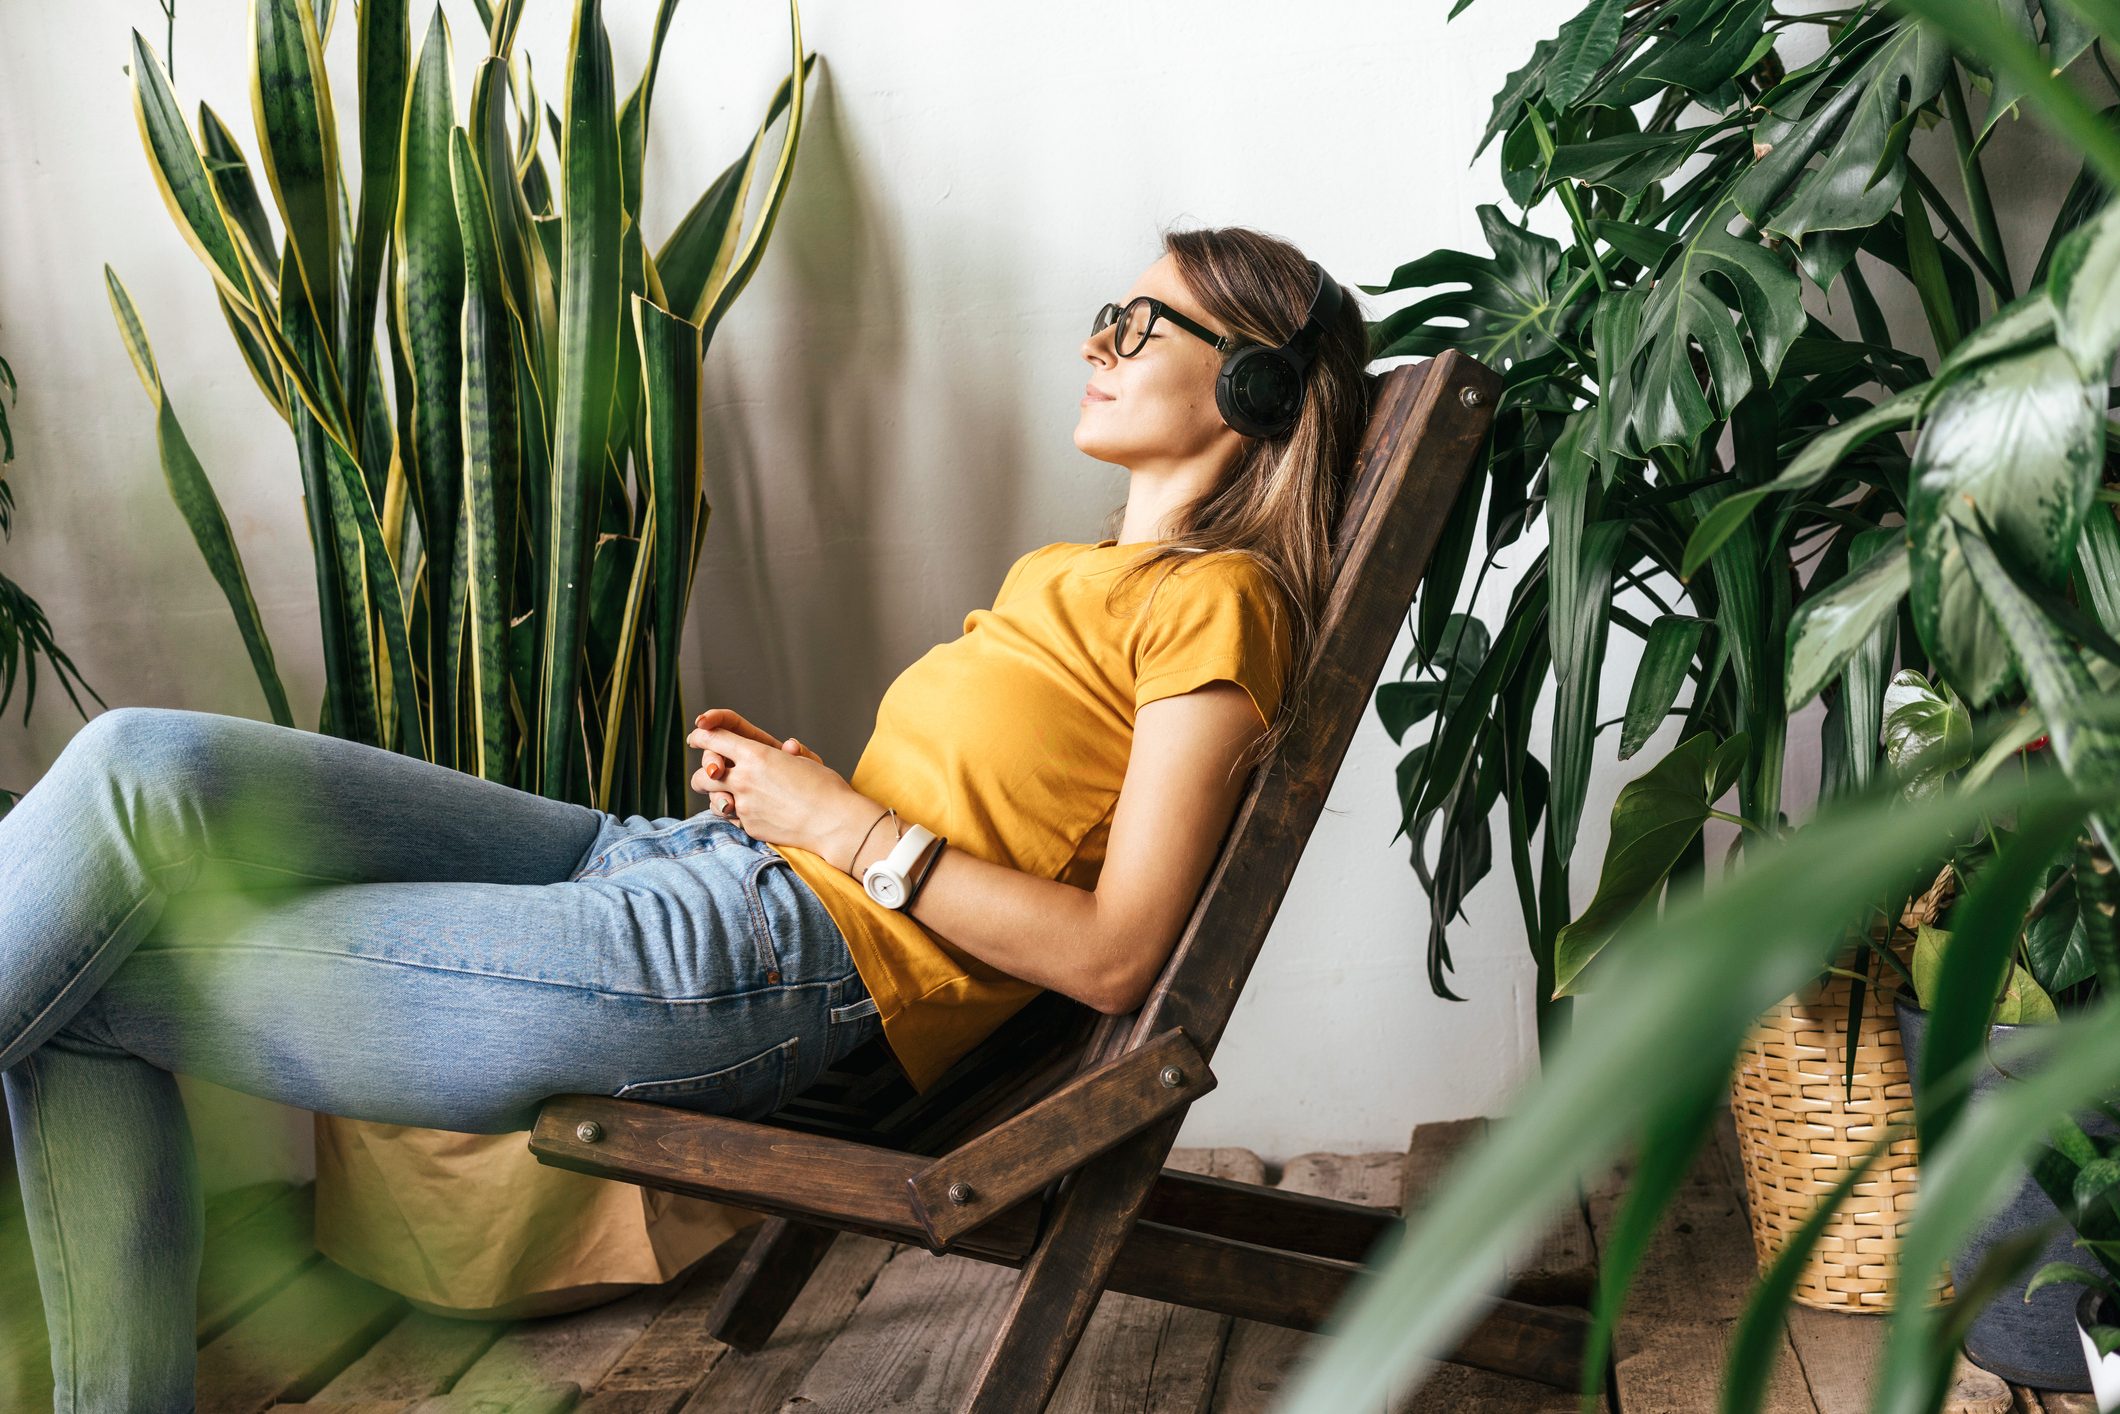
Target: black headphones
point(1260, 388)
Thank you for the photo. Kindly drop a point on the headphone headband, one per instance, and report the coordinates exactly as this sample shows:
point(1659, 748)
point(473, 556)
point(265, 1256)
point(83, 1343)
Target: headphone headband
point(1260, 388)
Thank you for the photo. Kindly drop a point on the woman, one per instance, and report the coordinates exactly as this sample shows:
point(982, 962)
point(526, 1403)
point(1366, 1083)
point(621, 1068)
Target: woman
point(350, 930)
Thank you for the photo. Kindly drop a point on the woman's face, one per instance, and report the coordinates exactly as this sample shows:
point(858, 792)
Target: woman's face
point(1157, 408)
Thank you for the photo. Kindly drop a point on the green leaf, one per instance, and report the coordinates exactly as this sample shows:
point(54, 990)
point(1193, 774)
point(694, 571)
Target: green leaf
point(1858, 128)
point(1819, 456)
point(588, 366)
point(2021, 439)
point(1925, 735)
point(2085, 286)
point(1510, 306)
point(1701, 281)
point(197, 503)
point(1654, 819)
point(1832, 624)
point(1678, 999)
point(2088, 750)
point(1584, 45)
point(1673, 642)
point(2054, 1272)
point(291, 99)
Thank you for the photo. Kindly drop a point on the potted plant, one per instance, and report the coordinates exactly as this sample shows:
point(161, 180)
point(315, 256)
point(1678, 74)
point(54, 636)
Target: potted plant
point(1691, 434)
point(503, 492)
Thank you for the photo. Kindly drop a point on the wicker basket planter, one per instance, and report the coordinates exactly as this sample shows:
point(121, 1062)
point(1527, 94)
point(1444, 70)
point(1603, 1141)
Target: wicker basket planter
point(1799, 1126)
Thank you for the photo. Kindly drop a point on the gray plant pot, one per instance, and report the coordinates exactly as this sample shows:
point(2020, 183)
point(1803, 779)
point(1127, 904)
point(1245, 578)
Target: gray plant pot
point(2031, 1343)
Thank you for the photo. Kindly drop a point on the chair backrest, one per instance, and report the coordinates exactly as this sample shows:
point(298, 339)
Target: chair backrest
point(1425, 425)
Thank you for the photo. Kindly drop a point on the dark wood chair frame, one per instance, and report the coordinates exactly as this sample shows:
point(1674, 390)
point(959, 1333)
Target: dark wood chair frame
point(1043, 1148)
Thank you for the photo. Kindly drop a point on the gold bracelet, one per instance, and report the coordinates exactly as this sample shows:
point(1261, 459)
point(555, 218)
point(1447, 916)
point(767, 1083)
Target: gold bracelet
point(888, 810)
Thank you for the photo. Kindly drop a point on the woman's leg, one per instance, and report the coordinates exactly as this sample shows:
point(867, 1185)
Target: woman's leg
point(682, 963)
point(145, 802)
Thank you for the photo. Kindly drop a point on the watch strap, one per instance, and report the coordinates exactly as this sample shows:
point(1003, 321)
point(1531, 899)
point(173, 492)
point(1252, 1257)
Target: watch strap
point(925, 870)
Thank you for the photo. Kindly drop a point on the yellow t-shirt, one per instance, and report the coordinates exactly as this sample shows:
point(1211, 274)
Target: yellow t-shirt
point(1012, 741)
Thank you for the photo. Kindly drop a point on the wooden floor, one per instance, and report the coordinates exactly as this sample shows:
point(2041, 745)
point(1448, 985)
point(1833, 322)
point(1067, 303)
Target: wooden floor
point(892, 1327)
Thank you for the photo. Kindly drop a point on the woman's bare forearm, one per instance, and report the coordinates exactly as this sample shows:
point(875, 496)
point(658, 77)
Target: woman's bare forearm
point(1038, 929)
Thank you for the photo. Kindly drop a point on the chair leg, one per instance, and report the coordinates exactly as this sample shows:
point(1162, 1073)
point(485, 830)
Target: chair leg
point(1065, 1274)
point(775, 1267)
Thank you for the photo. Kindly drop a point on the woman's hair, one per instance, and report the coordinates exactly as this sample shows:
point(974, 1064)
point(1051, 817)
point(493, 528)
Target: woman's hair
point(1280, 500)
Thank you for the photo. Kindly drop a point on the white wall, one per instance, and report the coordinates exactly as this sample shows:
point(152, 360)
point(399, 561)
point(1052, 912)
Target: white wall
point(891, 405)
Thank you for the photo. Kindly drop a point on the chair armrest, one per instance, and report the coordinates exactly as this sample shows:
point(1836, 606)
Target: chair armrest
point(986, 1175)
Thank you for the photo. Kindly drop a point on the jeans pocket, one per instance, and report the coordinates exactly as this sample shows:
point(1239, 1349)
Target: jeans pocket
point(749, 1089)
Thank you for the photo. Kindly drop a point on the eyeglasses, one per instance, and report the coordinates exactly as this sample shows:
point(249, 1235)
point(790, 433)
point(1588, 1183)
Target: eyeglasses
point(1138, 316)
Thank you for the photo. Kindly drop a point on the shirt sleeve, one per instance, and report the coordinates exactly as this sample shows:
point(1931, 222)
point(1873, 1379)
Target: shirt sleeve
point(1221, 619)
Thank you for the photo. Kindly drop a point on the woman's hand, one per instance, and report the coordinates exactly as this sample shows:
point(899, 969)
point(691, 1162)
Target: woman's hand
point(719, 801)
point(779, 792)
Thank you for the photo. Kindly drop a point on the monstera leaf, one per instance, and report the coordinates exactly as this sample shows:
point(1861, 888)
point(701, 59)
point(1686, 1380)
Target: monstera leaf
point(1699, 280)
point(1858, 120)
point(1511, 307)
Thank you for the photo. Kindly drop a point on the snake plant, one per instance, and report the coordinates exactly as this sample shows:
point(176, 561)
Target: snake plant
point(531, 398)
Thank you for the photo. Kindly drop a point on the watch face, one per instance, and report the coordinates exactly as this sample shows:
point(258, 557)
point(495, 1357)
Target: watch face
point(886, 888)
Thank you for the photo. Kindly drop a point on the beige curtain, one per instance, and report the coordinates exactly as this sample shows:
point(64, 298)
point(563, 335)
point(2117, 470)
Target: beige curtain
point(473, 1225)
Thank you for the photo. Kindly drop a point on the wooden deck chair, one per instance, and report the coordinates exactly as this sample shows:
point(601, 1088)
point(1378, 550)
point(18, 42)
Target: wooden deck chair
point(1044, 1147)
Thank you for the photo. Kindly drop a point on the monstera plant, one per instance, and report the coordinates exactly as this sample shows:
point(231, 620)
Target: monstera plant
point(1690, 432)
point(536, 350)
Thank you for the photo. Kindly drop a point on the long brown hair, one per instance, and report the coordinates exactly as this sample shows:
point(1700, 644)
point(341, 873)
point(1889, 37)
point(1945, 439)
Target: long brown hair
point(1279, 502)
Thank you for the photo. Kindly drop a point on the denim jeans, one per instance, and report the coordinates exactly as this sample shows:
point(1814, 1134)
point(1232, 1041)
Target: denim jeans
point(347, 929)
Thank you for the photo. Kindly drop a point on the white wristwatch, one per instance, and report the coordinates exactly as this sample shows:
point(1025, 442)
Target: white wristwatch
point(886, 880)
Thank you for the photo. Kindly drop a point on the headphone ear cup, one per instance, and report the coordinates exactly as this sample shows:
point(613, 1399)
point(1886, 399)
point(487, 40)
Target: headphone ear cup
point(1258, 391)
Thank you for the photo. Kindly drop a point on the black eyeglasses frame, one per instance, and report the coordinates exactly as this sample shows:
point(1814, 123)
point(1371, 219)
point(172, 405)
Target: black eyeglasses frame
point(1110, 314)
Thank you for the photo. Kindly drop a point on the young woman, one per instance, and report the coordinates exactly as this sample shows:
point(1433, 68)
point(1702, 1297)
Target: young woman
point(350, 930)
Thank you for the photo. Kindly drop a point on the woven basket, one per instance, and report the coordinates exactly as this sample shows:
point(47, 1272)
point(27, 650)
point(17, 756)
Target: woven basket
point(1798, 1130)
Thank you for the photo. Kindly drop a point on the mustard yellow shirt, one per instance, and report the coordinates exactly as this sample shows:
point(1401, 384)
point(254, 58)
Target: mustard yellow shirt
point(1012, 740)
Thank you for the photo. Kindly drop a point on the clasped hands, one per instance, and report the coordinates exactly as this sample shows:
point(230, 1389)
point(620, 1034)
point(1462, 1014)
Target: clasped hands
point(778, 790)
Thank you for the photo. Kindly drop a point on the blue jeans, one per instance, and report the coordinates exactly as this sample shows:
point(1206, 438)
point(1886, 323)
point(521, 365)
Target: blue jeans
point(346, 929)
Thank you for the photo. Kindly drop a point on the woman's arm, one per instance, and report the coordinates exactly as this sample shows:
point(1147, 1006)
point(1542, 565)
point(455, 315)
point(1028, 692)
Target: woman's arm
point(1103, 947)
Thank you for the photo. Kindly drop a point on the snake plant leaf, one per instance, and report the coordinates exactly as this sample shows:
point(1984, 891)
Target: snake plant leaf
point(699, 250)
point(2088, 750)
point(633, 114)
point(255, 355)
point(2085, 286)
point(291, 101)
point(670, 353)
point(383, 40)
point(1833, 625)
point(528, 282)
point(1510, 306)
point(492, 466)
point(235, 186)
point(726, 285)
point(1654, 819)
point(2019, 439)
point(193, 492)
point(428, 287)
point(1700, 281)
point(588, 353)
point(1672, 645)
point(1859, 127)
point(1819, 456)
point(181, 175)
